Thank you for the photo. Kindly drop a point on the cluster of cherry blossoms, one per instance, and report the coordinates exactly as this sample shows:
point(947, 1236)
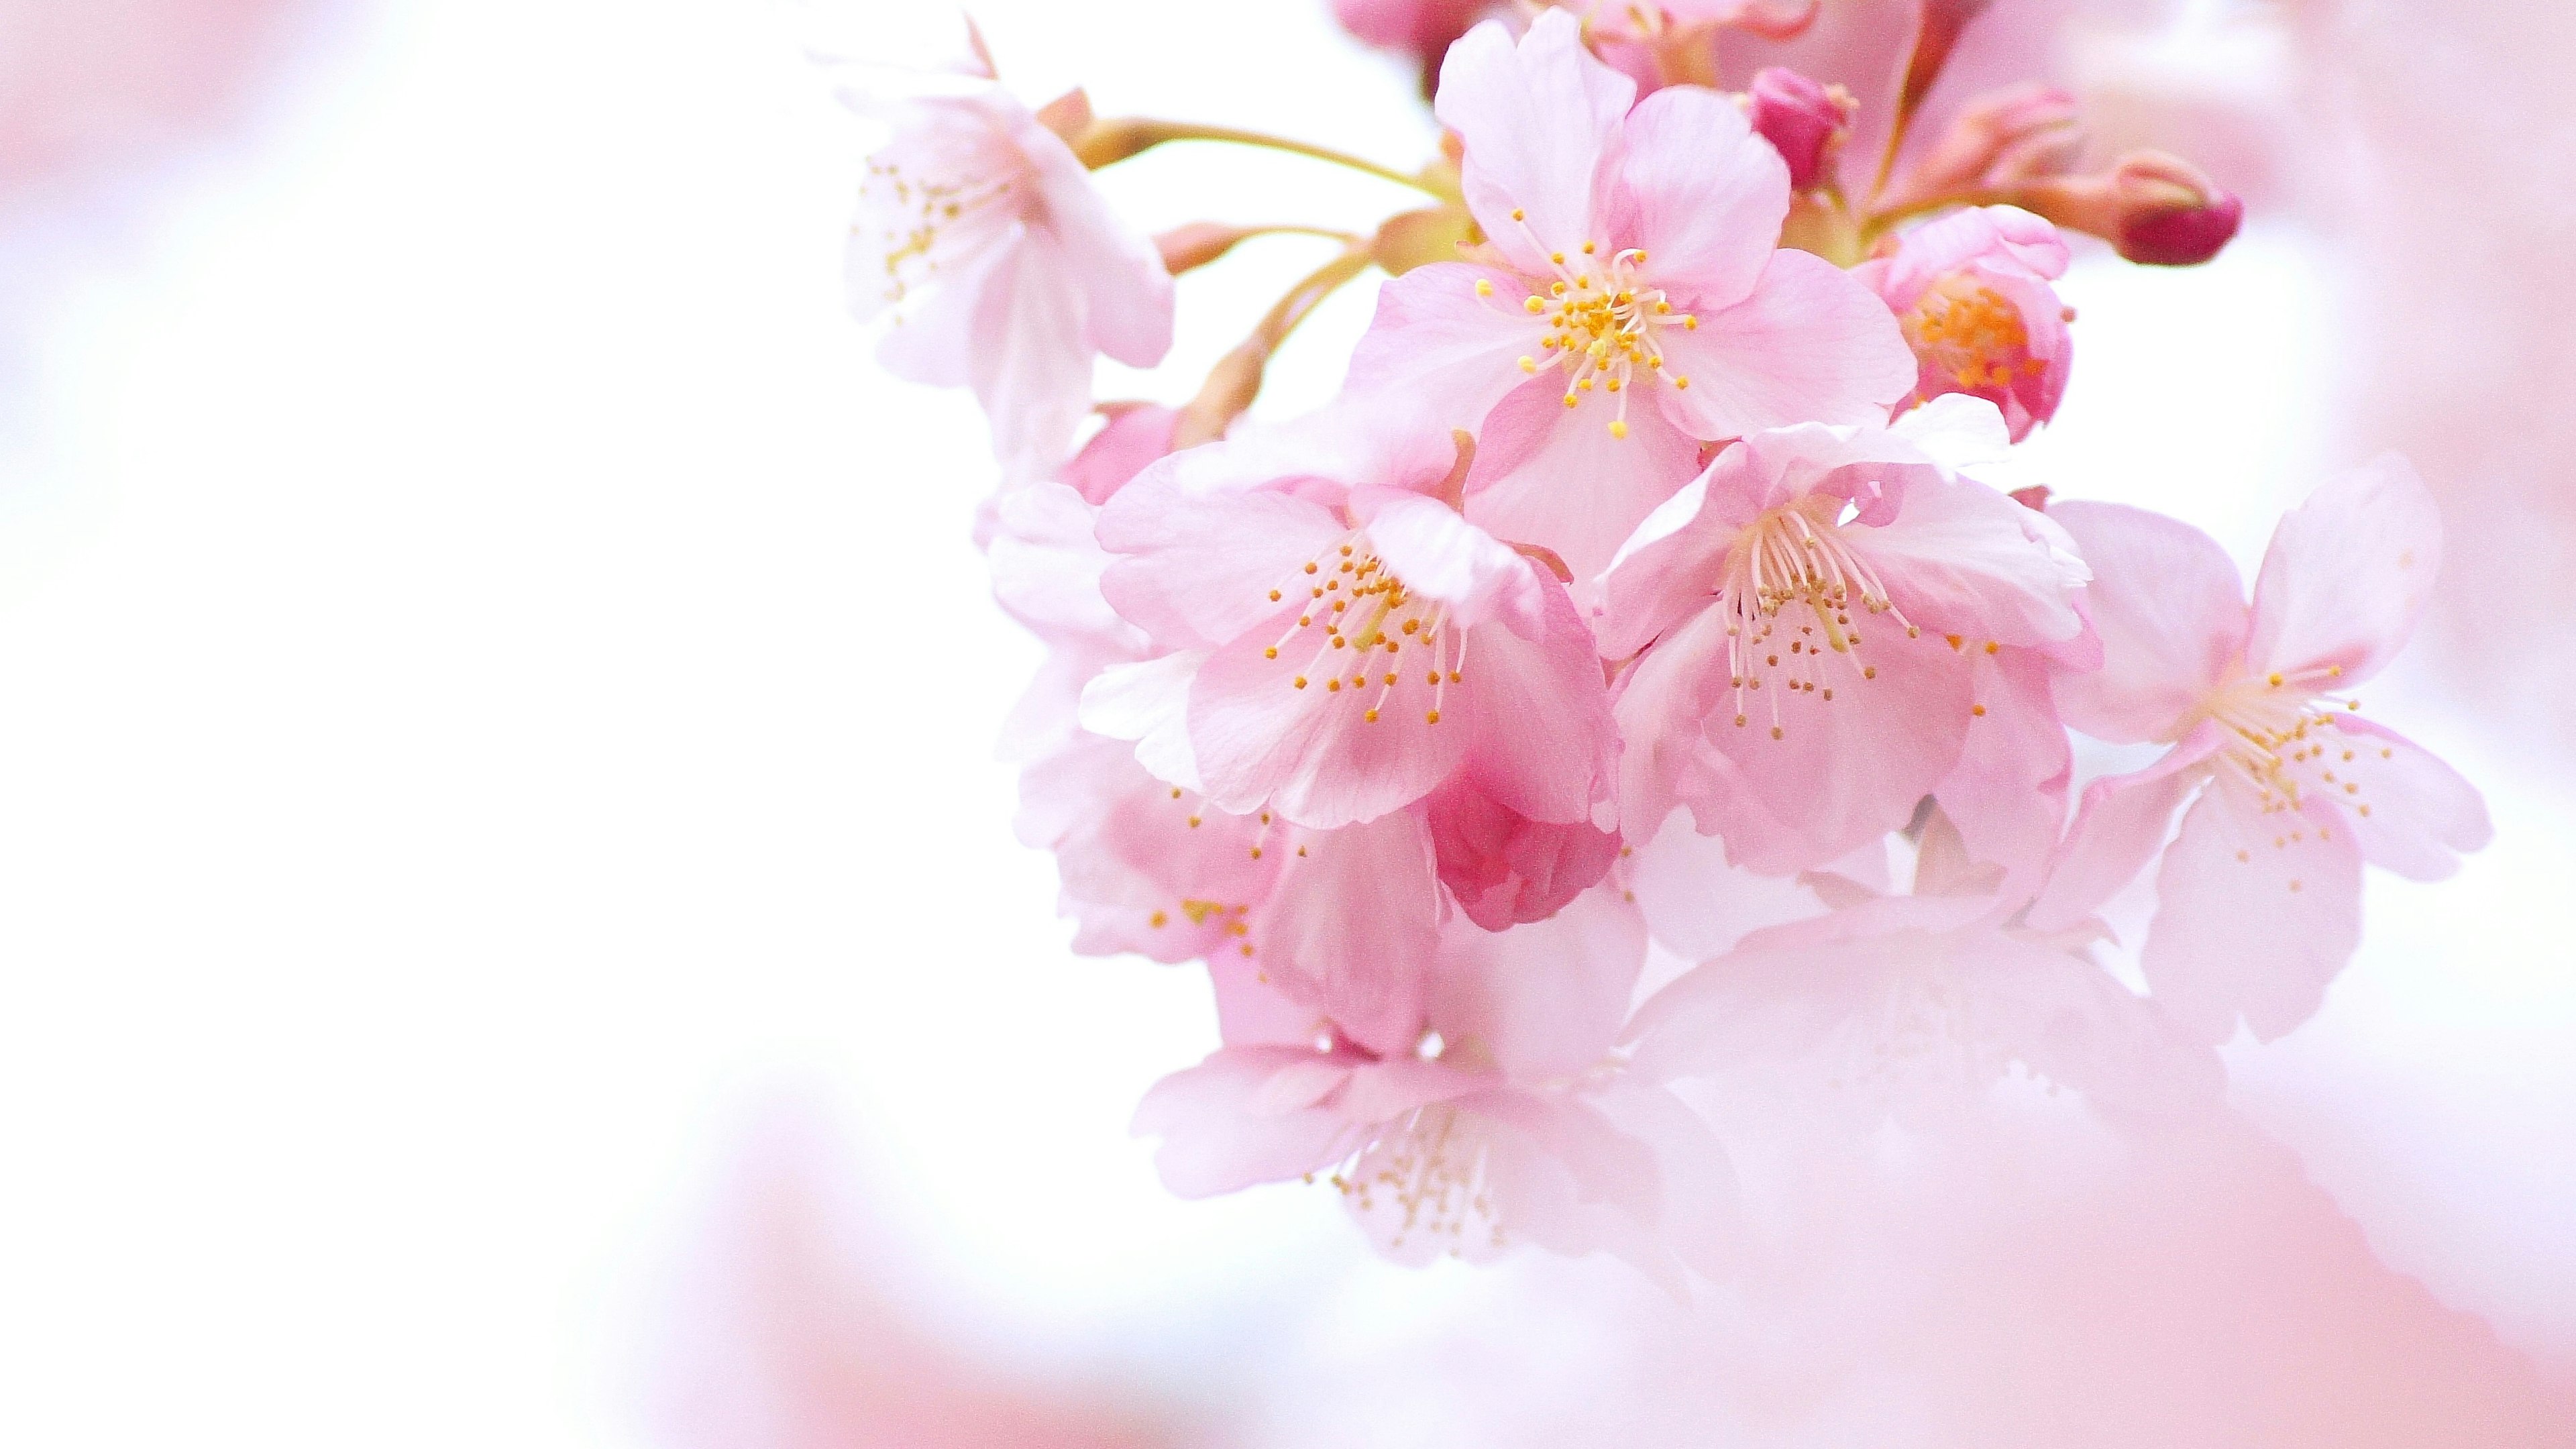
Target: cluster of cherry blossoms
point(1626, 702)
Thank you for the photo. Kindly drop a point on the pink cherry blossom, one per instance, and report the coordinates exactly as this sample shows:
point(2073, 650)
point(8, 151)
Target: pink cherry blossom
point(1808, 610)
point(1504, 1118)
point(1342, 642)
point(998, 265)
point(1632, 303)
point(1916, 1006)
point(1972, 292)
point(2259, 897)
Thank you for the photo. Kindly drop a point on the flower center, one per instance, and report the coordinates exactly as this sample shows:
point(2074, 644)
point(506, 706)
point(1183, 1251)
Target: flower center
point(2282, 743)
point(1368, 635)
point(1423, 1180)
point(1601, 316)
point(1970, 334)
point(1789, 593)
point(910, 216)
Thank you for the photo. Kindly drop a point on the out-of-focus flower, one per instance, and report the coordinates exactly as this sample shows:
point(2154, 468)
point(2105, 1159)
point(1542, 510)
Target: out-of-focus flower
point(1504, 1119)
point(1343, 642)
point(1676, 42)
point(1633, 303)
point(1423, 29)
point(2259, 898)
point(1812, 601)
point(1803, 120)
point(1971, 291)
point(1913, 1006)
point(997, 264)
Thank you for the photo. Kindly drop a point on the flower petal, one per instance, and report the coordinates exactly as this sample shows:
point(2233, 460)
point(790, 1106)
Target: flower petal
point(1447, 352)
point(2346, 574)
point(2118, 829)
point(1701, 196)
point(1555, 476)
point(1197, 567)
point(2422, 815)
point(1216, 1139)
point(1809, 345)
point(1538, 119)
point(1963, 559)
point(2255, 914)
point(2170, 610)
point(1547, 999)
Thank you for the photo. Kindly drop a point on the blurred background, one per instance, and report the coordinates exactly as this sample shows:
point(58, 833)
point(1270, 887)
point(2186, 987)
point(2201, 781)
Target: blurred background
point(509, 927)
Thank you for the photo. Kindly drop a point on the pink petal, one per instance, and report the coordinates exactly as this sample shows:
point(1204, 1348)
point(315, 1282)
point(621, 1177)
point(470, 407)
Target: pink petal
point(1253, 1010)
point(1844, 769)
point(2422, 814)
point(1196, 567)
point(1701, 196)
point(1555, 476)
point(1354, 921)
point(1809, 345)
point(1127, 294)
point(1032, 361)
point(1963, 559)
point(1502, 867)
point(1047, 567)
point(2007, 794)
point(2255, 914)
point(1448, 353)
point(1547, 999)
point(2118, 829)
point(1442, 556)
point(1698, 903)
point(1311, 752)
point(1538, 119)
point(2170, 611)
point(1132, 438)
point(1215, 1137)
point(2006, 235)
point(2346, 575)
point(1662, 705)
point(1507, 685)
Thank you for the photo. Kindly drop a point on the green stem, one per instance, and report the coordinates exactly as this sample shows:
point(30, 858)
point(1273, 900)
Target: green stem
point(1113, 141)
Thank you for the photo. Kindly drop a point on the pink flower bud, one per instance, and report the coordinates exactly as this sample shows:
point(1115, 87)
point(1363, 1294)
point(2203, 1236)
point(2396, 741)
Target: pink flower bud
point(1424, 28)
point(2158, 229)
point(2152, 207)
point(1806, 120)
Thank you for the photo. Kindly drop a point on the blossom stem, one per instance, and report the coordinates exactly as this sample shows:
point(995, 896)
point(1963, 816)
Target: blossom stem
point(1236, 379)
point(1112, 141)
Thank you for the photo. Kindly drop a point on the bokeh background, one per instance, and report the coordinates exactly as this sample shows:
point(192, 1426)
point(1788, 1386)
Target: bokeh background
point(509, 928)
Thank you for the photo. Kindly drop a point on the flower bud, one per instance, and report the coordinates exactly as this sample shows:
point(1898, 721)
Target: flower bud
point(2160, 229)
point(2152, 207)
point(1804, 119)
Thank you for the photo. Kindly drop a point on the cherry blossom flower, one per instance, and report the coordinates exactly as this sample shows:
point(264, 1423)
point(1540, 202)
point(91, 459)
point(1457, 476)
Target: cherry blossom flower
point(1915, 1006)
point(997, 264)
point(1972, 292)
point(2259, 897)
point(1504, 1118)
point(1813, 602)
point(1804, 121)
point(1341, 642)
point(1632, 302)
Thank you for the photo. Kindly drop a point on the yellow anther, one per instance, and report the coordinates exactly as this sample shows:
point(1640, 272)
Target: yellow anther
point(1618, 428)
point(1484, 288)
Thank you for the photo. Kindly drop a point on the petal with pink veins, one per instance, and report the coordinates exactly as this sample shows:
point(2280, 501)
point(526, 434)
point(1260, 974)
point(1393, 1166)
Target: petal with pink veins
point(1539, 117)
point(1447, 352)
point(1700, 195)
point(1196, 568)
point(1555, 476)
point(1964, 559)
point(1808, 345)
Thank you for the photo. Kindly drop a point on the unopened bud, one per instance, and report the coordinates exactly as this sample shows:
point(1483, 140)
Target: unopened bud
point(1187, 248)
point(1068, 115)
point(2153, 208)
point(1804, 119)
point(2174, 216)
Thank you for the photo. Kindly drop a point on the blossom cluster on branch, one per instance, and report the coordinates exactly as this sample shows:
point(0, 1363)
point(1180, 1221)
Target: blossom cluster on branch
point(1627, 693)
